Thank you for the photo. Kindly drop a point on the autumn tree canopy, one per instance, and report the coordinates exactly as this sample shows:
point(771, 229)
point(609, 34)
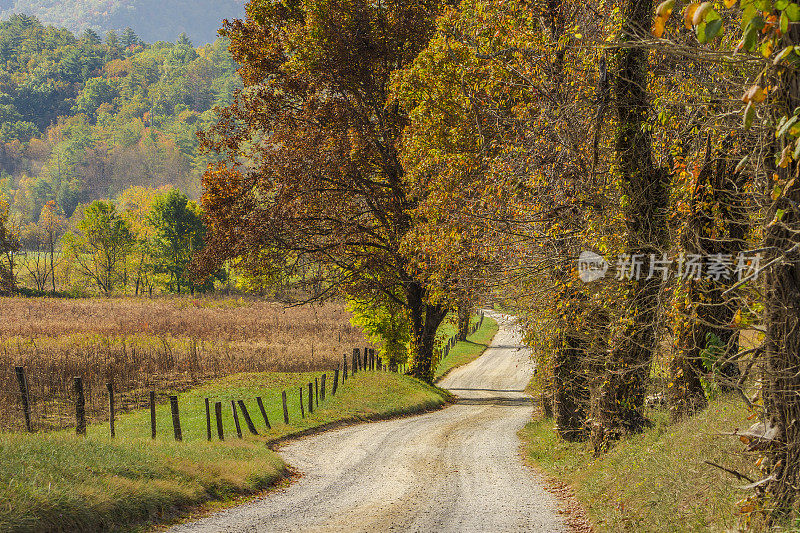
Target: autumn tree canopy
point(311, 152)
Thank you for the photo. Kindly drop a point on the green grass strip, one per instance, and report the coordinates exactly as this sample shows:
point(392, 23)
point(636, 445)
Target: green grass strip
point(656, 481)
point(465, 351)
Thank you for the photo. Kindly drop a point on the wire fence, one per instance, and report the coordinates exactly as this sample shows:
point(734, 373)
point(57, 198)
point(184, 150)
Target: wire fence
point(44, 390)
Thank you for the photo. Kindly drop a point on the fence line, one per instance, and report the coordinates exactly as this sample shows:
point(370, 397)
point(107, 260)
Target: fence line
point(317, 391)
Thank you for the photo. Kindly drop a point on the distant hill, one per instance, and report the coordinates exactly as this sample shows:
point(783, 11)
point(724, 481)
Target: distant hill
point(152, 20)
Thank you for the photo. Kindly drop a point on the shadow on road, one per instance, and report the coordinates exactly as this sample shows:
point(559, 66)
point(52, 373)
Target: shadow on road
point(495, 400)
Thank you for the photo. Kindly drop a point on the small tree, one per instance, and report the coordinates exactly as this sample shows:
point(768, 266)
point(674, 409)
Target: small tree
point(51, 226)
point(179, 232)
point(386, 323)
point(9, 245)
point(101, 245)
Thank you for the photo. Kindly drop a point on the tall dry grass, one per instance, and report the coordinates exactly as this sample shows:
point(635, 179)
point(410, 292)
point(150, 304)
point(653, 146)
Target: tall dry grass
point(164, 344)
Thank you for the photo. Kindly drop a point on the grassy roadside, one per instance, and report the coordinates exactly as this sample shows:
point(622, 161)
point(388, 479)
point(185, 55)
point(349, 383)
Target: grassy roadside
point(465, 351)
point(656, 481)
point(58, 482)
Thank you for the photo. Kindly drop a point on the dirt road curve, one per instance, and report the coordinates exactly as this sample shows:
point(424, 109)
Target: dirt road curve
point(454, 470)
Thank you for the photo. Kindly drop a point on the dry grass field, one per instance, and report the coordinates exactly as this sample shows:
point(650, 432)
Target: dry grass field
point(164, 344)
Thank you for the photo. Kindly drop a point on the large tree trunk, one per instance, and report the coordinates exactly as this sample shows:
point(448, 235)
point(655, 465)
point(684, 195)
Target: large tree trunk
point(571, 388)
point(617, 409)
point(717, 225)
point(570, 358)
point(782, 349)
point(782, 318)
point(463, 321)
point(425, 320)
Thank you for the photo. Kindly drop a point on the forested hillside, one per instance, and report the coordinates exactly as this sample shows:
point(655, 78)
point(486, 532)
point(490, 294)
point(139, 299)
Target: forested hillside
point(85, 118)
point(154, 20)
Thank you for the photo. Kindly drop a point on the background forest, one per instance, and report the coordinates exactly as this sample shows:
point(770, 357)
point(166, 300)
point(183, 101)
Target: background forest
point(87, 118)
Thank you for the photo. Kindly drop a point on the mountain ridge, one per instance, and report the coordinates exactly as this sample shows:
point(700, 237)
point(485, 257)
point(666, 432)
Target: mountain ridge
point(152, 20)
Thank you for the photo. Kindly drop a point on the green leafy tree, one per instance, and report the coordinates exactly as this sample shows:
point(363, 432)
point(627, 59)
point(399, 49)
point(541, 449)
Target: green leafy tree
point(100, 246)
point(129, 38)
point(387, 324)
point(9, 244)
point(178, 233)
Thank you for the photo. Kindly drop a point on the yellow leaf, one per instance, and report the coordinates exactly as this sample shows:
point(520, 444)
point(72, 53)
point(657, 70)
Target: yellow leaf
point(701, 12)
point(665, 8)
point(658, 27)
point(766, 48)
point(729, 3)
point(688, 15)
point(754, 94)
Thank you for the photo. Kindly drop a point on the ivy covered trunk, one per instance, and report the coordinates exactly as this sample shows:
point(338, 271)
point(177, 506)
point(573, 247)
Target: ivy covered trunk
point(570, 359)
point(463, 321)
point(571, 388)
point(705, 339)
point(782, 315)
point(782, 349)
point(617, 406)
point(425, 320)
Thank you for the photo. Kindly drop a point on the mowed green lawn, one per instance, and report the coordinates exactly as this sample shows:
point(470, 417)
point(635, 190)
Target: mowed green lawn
point(60, 482)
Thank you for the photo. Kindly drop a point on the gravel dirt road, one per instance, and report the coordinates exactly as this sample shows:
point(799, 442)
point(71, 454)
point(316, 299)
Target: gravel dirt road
point(454, 470)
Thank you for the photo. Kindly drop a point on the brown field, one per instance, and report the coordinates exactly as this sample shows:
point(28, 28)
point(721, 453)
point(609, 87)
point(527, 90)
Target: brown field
point(163, 344)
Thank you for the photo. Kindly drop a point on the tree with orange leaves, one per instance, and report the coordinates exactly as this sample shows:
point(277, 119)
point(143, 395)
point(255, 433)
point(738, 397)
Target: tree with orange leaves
point(311, 167)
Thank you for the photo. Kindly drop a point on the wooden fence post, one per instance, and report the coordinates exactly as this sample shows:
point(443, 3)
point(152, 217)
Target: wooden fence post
point(236, 419)
point(263, 411)
point(335, 380)
point(152, 414)
point(247, 419)
point(372, 358)
point(22, 380)
point(302, 407)
point(218, 416)
point(316, 392)
point(322, 386)
point(285, 408)
point(355, 361)
point(344, 369)
point(176, 418)
point(208, 419)
point(80, 407)
point(310, 397)
point(110, 387)
point(379, 363)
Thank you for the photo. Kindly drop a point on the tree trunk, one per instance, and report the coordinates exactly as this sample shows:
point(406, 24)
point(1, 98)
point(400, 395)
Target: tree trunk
point(617, 409)
point(425, 320)
point(571, 388)
point(570, 358)
point(52, 262)
point(547, 402)
point(782, 316)
point(705, 338)
point(463, 321)
point(782, 349)
point(685, 391)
